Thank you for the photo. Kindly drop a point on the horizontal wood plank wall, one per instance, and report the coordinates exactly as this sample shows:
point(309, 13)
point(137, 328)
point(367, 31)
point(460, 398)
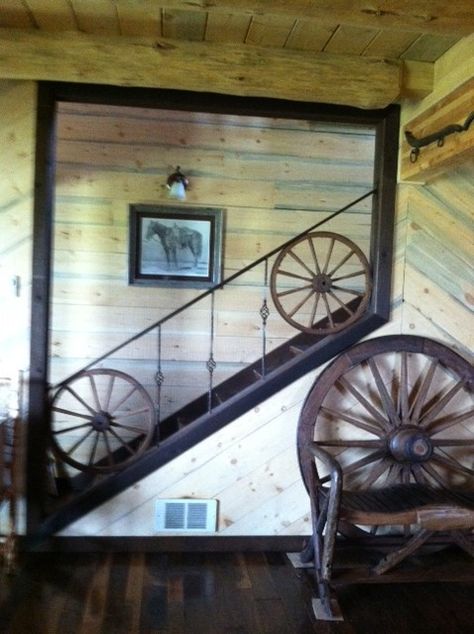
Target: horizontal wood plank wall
point(17, 123)
point(272, 178)
point(251, 465)
point(438, 274)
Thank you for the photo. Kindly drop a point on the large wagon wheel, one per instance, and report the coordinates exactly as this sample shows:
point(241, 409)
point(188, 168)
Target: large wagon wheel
point(102, 420)
point(396, 409)
point(321, 283)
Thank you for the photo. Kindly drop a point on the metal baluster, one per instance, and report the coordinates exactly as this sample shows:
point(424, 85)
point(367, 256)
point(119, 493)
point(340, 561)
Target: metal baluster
point(211, 363)
point(264, 314)
point(159, 378)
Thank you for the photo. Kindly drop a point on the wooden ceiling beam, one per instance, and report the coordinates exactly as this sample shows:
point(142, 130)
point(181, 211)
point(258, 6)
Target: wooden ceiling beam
point(199, 66)
point(427, 16)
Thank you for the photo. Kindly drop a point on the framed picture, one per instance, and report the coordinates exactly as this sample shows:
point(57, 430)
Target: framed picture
point(175, 246)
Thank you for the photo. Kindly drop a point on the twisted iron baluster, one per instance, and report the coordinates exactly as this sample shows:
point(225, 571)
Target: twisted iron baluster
point(211, 364)
point(159, 378)
point(264, 314)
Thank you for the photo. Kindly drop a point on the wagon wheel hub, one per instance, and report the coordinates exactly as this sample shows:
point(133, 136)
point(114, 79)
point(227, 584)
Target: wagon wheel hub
point(322, 283)
point(410, 444)
point(101, 421)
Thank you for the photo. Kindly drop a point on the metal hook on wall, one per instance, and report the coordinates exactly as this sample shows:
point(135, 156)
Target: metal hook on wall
point(437, 137)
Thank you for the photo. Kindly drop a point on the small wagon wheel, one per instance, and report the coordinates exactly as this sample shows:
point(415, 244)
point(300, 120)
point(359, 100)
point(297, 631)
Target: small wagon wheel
point(101, 421)
point(321, 283)
point(392, 410)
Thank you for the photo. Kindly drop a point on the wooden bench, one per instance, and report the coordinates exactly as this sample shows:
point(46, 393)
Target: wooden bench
point(386, 445)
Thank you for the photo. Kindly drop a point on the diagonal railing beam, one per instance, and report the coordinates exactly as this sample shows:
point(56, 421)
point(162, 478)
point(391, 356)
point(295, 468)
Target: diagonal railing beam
point(211, 290)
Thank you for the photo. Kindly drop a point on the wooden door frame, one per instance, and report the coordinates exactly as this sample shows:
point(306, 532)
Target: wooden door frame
point(385, 122)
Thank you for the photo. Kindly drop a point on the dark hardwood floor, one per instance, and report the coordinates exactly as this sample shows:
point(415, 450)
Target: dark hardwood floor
point(211, 593)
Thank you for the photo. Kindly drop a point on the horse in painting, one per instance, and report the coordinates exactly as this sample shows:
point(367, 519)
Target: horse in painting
point(174, 238)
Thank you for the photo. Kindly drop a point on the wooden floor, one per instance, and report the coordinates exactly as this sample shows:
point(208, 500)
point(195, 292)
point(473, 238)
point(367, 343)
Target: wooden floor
point(216, 593)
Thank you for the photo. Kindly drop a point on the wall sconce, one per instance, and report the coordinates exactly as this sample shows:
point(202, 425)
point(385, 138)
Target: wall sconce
point(177, 184)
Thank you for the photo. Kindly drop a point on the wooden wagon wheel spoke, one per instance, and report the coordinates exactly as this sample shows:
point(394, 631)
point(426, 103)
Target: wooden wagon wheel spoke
point(121, 441)
point(394, 474)
point(90, 462)
point(312, 319)
point(132, 391)
point(300, 262)
point(435, 476)
point(341, 263)
point(353, 421)
point(120, 415)
point(403, 400)
point(295, 276)
point(81, 400)
point(71, 428)
point(291, 291)
point(363, 462)
point(300, 304)
point(362, 444)
point(341, 303)
point(119, 403)
point(373, 411)
point(349, 291)
point(348, 276)
point(418, 474)
point(387, 402)
point(440, 404)
point(454, 465)
point(315, 257)
point(94, 392)
point(405, 474)
point(450, 442)
point(327, 253)
point(110, 456)
point(79, 442)
point(420, 398)
point(328, 310)
point(437, 426)
point(128, 427)
point(68, 412)
point(109, 392)
point(376, 472)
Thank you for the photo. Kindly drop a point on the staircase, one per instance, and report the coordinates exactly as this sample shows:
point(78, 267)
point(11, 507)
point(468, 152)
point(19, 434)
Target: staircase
point(233, 397)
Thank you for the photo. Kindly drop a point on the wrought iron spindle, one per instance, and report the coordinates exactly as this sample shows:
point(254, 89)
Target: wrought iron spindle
point(264, 314)
point(211, 363)
point(159, 376)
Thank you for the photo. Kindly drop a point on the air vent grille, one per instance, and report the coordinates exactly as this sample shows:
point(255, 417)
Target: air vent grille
point(186, 515)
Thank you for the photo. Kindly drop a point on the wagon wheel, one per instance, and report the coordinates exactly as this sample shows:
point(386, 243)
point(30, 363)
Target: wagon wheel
point(395, 409)
point(321, 283)
point(102, 420)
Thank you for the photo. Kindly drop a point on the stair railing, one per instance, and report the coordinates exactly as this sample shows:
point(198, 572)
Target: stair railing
point(152, 367)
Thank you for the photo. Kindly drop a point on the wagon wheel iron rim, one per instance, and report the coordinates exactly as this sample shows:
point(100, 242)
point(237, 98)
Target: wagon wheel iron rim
point(321, 273)
point(101, 421)
point(408, 407)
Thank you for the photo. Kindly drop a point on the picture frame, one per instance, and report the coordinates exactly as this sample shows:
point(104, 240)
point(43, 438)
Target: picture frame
point(175, 246)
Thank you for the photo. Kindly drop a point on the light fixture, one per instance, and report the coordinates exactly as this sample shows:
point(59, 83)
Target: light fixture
point(177, 184)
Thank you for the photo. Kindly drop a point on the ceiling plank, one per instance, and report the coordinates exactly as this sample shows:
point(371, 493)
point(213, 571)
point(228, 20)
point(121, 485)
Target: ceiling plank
point(363, 82)
point(429, 16)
